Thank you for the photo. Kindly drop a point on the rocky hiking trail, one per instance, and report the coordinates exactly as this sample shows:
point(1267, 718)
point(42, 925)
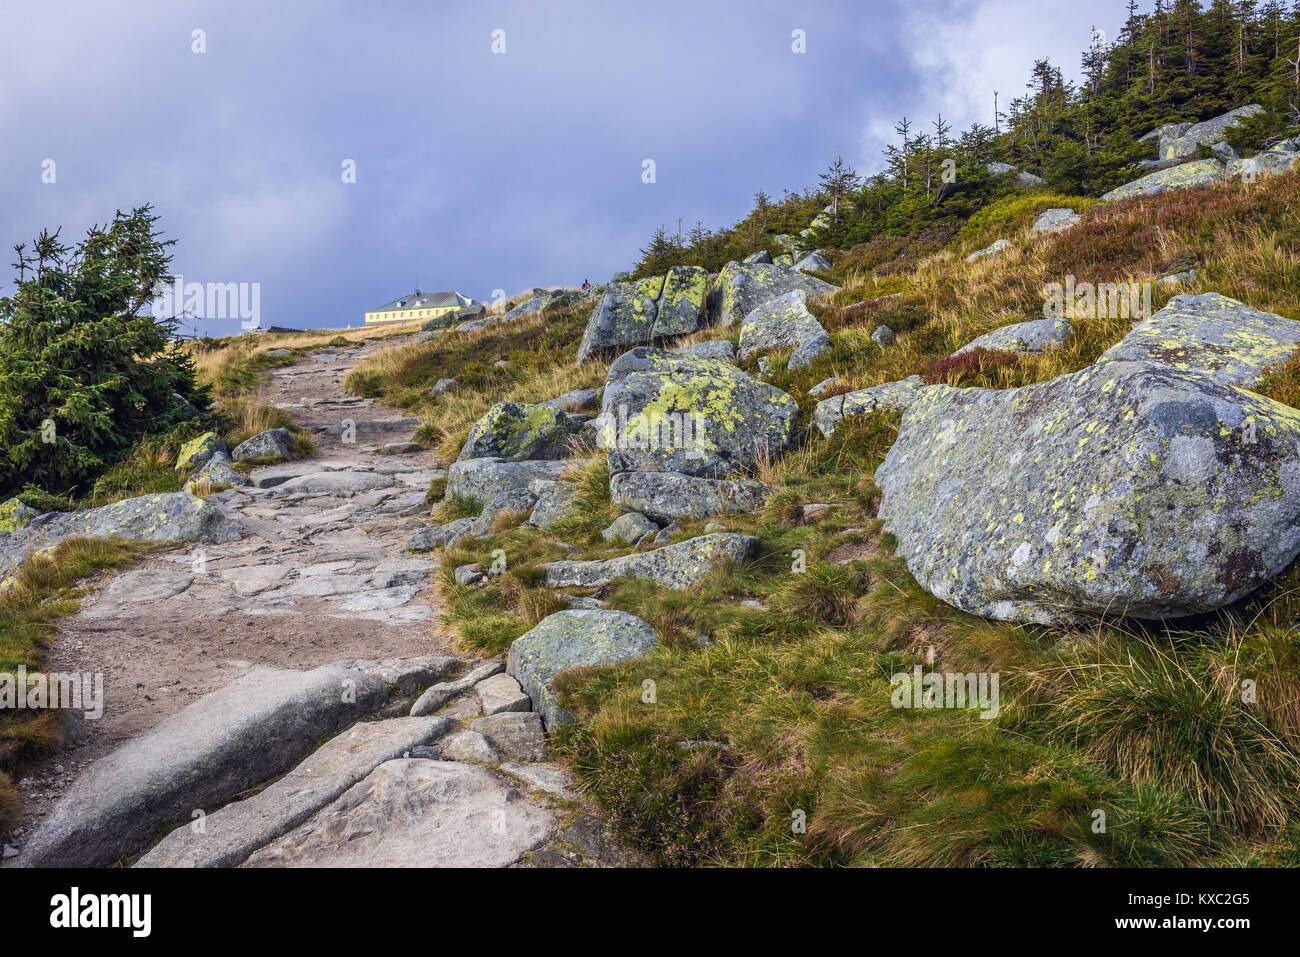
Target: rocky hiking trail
point(260, 695)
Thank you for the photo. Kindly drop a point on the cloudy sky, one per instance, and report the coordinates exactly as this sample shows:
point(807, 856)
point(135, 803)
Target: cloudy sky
point(475, 170)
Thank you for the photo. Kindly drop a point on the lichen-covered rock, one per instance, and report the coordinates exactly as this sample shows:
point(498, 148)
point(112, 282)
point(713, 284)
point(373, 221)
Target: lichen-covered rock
point(813, 262)
point(1125, 488)
point(784, 321)
point(556, 501)
point(681, 304)
point(1266, 163)
point(1023, 179)
point(164, 517)
point(741, 288)
point(1055, 220)
point(625, 316)
point(883, 336)
point(723, 349)
point(574, 400)
point(273, 443)
point(1183, 176)
point(1176, 142)
point(573, 639)
point(15, 516)
point(482, 479)
point(673, 566)
point(195, 453)
point(891, 395)
point(666, 411)
point(1186, 277)
point(444, 385)
point(991, 250)
point(629, 528)
point(516, 500)
point(665, 496)
point(762, 256)
point(218, 471)
point(439, 536)
point(1035, 335)
point(542, 300)
point(1210, 333)
point(515, 432)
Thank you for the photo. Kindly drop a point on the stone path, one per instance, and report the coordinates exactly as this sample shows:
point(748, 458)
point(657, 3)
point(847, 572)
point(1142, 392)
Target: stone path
point(320, 578)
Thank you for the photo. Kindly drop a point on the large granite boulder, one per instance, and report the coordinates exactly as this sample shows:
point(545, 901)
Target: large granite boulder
point(1221, 337)
point(723, 349)
point(163, 517)
point(742, 287)
point(218, 471)
point(1183, 176)
point(573, 639)
point(625, 316)
point(1126, 488)
point(681, 304)
point(1177, 140)
point(671, 412)
point(1036, 335)
point(515, 432)
point(784, 321)
point(813, 262)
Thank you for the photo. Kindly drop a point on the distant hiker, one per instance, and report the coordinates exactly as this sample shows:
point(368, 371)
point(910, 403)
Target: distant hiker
point(586, 285)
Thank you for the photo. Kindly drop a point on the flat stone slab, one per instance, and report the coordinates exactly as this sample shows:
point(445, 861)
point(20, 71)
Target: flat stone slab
point(467, 746)
point(198, 759)
point(146, 584)
point(228, 836)
point(517, 735)
point(413, 812)
point(336, 482)
point(249, 580)
point(501, 693)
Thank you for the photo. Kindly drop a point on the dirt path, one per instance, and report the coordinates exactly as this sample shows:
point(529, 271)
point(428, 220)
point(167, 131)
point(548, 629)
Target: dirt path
point(320, 575)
